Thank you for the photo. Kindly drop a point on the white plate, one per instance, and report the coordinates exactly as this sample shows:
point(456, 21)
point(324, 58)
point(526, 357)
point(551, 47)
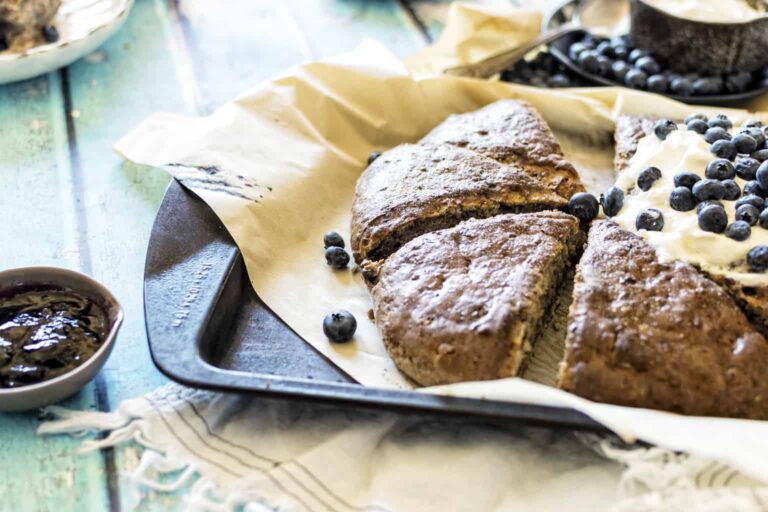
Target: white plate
point(83, 26)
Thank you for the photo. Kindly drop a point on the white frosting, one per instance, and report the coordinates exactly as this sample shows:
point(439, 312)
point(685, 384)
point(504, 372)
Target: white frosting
point(718, 11)
point(681, 238)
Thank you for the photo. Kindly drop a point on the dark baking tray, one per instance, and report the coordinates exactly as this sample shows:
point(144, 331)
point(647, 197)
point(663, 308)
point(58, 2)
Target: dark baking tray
point(208, 329)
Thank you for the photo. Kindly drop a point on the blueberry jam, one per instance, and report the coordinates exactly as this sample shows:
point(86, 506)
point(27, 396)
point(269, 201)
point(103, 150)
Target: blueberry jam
point(46, 333)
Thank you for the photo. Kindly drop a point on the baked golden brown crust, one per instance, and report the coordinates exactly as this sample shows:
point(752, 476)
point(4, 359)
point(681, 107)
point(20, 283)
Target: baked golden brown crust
point(414, 189)
point(629, 131)
point(660, 335)
point(466, 303)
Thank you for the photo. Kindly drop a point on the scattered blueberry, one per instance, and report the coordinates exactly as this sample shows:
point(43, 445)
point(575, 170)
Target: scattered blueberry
point(757, 134)
point(638, 53)
point(746, 168)
point(682, 200)
point(723, 149)
point(648, 65)
point(583, 206)
point(761, 155)
point(713, 218)
point(635, 79)
point(691, 117)
point(753, 123)
point(698, 126)
point(715, 133)
point(745, 144)
point(722, 121)
point(336, 257)
point(621, 52)
point(658, 83)
point(664, 127)
point(705, 86)
point(575, 50)
point(753, 188)
point(588, 61)
point(720, 169)
point(705, 190)
point(605, 49)
point(50, 34)
point(620, 70)
point(650, 220)
point(686, 179)
point(762, 175)
point(373, 156)
point(604, 66)
point(738, 231)
point(333, 239)
point(763, 219)
point(612, 201)
point(732, 190)
point(340, 326)
point(748, 214)
point(682, 87)
point(757, 258)
point(558, 80)
point(704, 204)
point(647, 177)
point(751, 200)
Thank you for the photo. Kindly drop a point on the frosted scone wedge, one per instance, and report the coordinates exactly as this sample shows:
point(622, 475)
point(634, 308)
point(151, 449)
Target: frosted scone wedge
point(648, 333)
point(467, 303)
point(704, 163)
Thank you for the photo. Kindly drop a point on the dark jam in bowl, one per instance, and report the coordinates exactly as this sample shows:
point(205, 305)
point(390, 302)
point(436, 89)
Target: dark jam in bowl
point(46, 333)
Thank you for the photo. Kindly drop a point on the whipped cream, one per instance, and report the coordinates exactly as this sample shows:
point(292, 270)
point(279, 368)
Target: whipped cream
point(681, 238)
point(717, 11)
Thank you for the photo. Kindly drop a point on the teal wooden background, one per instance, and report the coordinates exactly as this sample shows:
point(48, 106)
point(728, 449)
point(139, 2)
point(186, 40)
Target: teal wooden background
point(68, 200)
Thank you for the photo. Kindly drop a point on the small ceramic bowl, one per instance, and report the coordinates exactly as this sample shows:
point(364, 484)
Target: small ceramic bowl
point(63, 386)
point(691, 46)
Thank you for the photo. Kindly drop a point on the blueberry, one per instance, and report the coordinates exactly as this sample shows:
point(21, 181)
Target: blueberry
point(589, 42)
point(732, 190)
point(753, 188)
point(604, 66)
point(713, 218)
point(748, 214)
point(681, 86)
point(745, 144)
point(757, 134)
point(686, 179)
point(753, 123)
point(723, 149)
point(575, 50)
point(650, 220)
point(691, 117)
point(583, 206)
point(757, 258)
point(664, 127)
point(657, 83)
point(712, 135)
point(648, 65)
point(682, 200)
point(746, 168)
point(698, 126)
point(558, 80)
point(50, 34)
point(333, 239)
point(612, 201)
point(705, 87)
point(620, 69)
point(762, 175)
point(703, 205)
point(588, 61)
point(722, 121)
point(738, 231)
point(761, 155)
point(340, 326)
point(635, 79)
point(605, 49)
point(751, 200)
point(617, 41)
point(763, 219)
point(637, 54)
point(737, 82)
point(705, 190)
point(373, 156)
point(647, 177)
point(336, 257)
point(621, 52)
point(720, 169)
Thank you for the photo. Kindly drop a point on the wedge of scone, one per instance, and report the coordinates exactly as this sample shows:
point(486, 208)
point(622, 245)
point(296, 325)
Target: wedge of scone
point(502, 158)
point(643, 333)
point(751, 297)
point(466, 303)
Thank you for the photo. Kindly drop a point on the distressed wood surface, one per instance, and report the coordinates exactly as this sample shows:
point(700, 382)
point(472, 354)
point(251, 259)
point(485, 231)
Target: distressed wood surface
point(69, 201)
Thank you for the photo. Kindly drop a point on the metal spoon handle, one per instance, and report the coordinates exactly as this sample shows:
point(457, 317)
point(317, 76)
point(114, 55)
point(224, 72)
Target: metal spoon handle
point(502, 60)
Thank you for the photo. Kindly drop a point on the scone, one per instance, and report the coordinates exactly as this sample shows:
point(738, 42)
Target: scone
point(466, 303)
point(643, 333)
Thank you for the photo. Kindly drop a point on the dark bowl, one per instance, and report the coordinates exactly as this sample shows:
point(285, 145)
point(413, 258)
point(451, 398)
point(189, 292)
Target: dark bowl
point(697, 46)
point(559, 50)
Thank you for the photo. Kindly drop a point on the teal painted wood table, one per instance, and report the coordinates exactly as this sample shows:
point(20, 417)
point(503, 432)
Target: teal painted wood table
point(67, 200)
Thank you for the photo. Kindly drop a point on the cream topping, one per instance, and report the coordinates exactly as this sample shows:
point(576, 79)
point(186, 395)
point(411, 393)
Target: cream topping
point(681, 238)
point(717, 11)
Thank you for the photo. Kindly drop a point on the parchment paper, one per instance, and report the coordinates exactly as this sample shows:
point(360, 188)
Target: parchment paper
point(279, 164)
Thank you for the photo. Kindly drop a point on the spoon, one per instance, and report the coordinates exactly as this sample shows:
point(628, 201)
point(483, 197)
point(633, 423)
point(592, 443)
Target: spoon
point(599, 17)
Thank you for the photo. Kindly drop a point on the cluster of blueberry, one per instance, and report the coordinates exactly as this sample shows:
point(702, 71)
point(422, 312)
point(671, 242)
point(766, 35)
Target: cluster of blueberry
point(543, 70)
point(339, 326)
point(616, 59)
